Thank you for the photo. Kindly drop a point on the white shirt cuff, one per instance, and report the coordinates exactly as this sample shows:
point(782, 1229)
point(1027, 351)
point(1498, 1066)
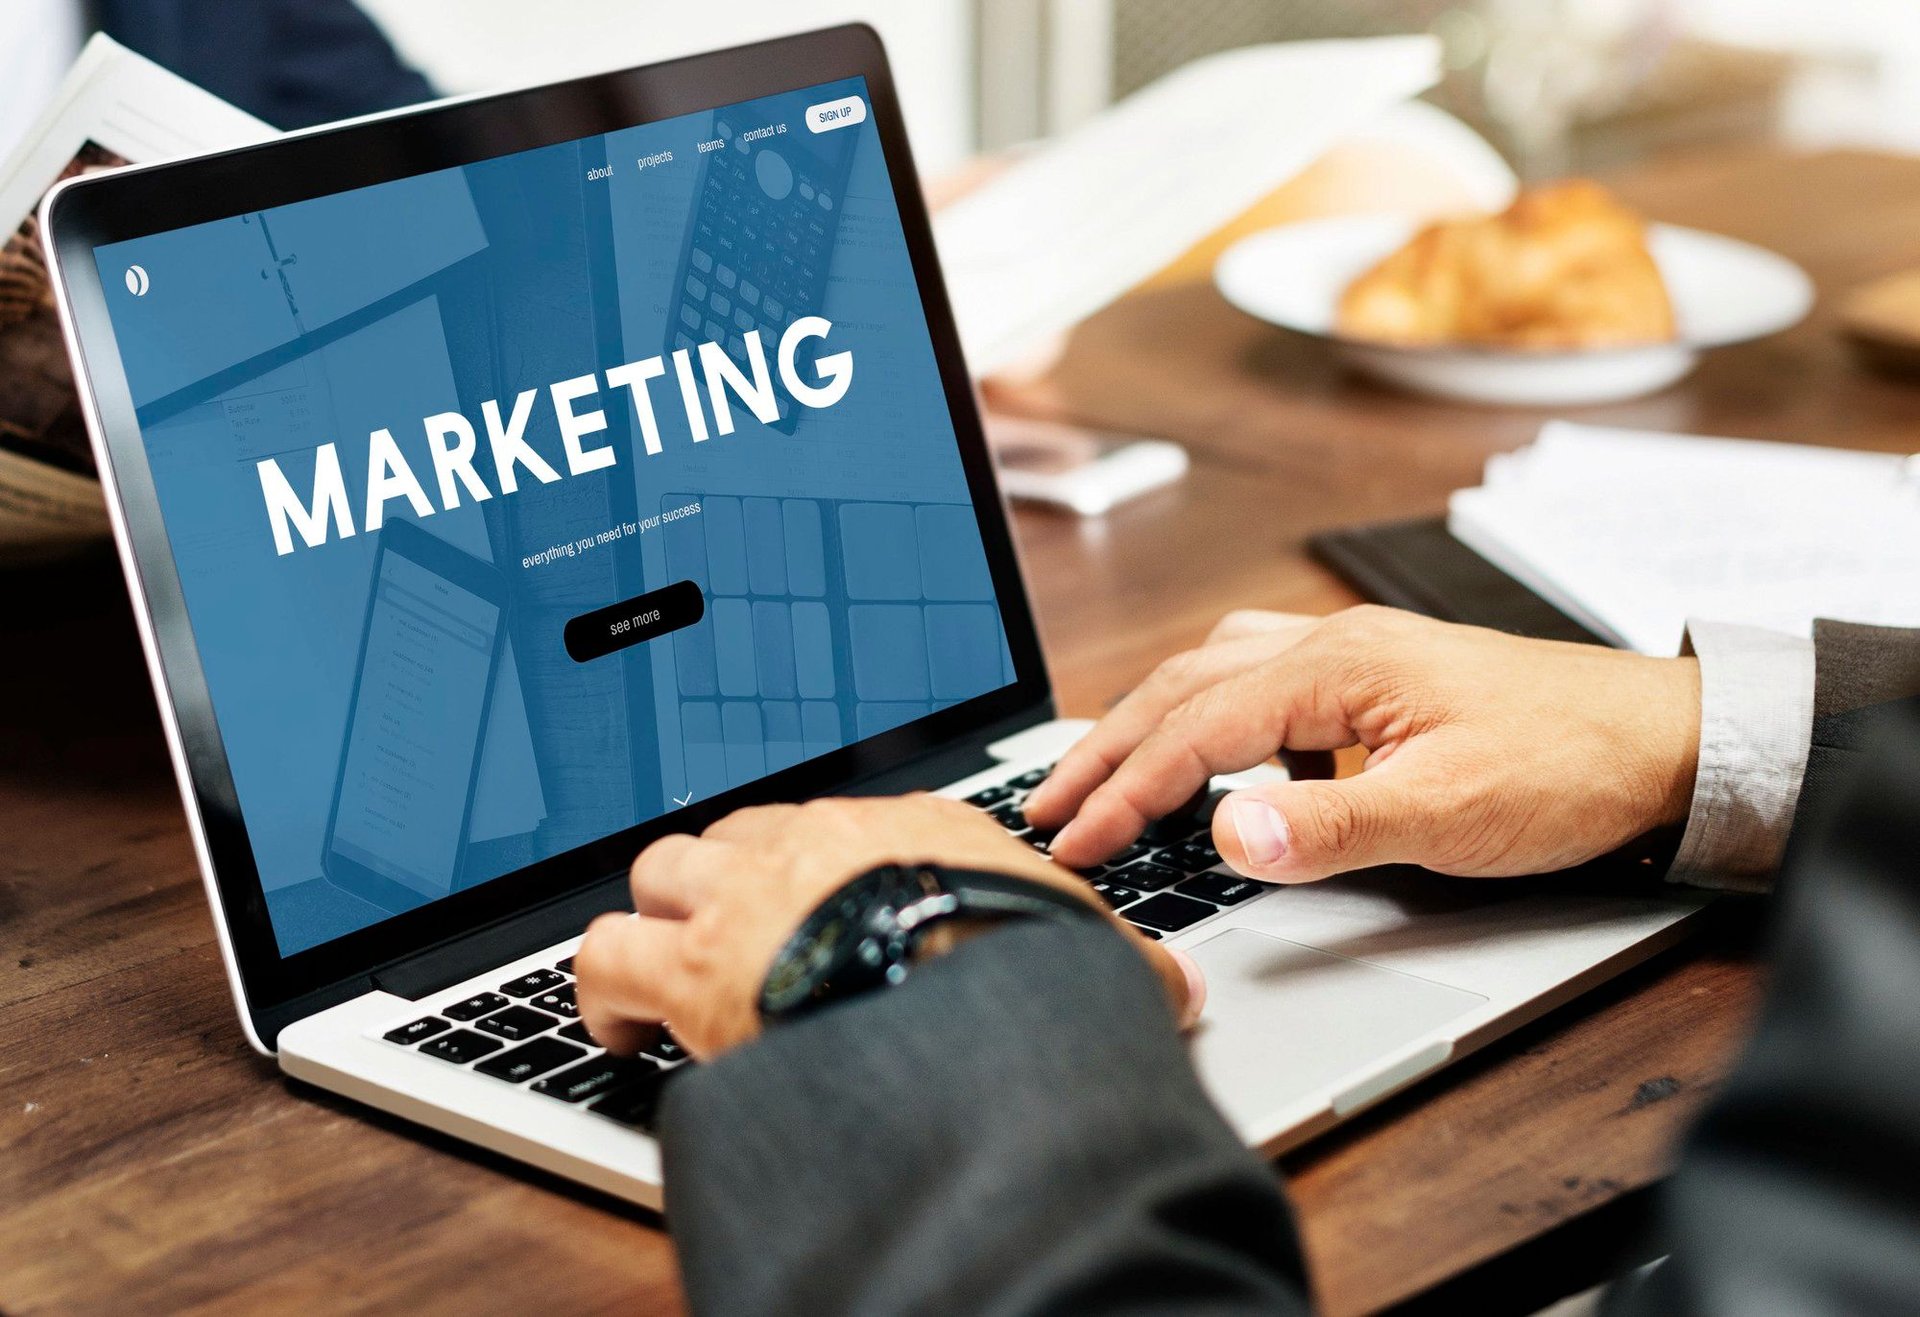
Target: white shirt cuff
point(1756, 727)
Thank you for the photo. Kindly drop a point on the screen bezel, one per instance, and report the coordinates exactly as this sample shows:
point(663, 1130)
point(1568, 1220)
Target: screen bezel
point(94, 211)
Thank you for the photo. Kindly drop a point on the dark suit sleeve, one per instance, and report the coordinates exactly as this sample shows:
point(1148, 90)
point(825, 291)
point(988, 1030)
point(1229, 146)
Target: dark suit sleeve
point(1015, 1129)
point(293, 63)
point(329, 62)
point(1799, 1191)
point(1857, 672)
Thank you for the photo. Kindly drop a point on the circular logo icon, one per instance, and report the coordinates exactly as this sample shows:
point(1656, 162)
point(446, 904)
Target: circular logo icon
point(137, 282)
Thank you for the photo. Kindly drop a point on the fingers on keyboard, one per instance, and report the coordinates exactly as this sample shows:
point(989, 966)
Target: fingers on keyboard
point(1162, 883)
point(563, 1063)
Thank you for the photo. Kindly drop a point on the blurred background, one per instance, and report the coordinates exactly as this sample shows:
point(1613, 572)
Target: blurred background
point(1558, 85)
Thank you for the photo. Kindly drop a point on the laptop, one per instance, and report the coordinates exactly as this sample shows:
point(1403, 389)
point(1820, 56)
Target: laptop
point(506, 483)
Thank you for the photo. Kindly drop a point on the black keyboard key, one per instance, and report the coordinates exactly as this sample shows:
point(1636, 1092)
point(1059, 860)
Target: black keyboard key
point(517, 1022)
point(578, 1033)
point(565, 966)
point(1010, 818)
point(1146, 876)
point(1171, 831)
point(1128, 856)
point(461, 1046)
point(659, 1041)
point(1221, 888)
point(1168, 912)
point(409, 1034)
point(1114, 895)
point(527, 984)
point(638, 1104)
point(988, 797)
point(1040, 838)
point(1191, 857)
point(530, 1059)
point(473, 1007)
point(560, 1001)
point(1092, 871)
point(1193, 817)
point(592, 1078)
point(1029, 780)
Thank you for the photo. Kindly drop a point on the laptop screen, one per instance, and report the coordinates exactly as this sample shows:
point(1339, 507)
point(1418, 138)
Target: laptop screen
point(517, 504)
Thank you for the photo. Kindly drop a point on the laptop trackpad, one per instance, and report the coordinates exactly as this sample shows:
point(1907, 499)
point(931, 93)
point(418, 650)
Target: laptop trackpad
point(1284, 1019)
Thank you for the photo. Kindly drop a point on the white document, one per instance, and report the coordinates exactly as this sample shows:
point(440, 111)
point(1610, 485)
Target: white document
point(132, 108)
point(113, 108)
point(1077, 222)
point(1633, 533)
point(125, 104)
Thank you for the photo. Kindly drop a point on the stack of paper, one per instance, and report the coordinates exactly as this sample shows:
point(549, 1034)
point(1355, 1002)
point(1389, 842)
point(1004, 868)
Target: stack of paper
point(1633, 533)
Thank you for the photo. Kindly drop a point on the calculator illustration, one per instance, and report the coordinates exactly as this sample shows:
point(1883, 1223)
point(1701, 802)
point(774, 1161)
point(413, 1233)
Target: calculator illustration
point(760, 239)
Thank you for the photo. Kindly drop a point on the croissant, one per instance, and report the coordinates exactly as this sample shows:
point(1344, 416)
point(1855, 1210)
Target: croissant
point(1565, 266)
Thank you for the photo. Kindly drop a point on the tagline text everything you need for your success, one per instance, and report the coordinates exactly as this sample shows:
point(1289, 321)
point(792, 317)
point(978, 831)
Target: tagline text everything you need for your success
point(618, 531)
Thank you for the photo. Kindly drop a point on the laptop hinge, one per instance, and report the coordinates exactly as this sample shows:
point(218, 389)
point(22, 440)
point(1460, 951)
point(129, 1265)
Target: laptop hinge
point(442, 966)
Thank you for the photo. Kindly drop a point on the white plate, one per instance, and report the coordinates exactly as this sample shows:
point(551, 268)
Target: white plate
point(1723, 292)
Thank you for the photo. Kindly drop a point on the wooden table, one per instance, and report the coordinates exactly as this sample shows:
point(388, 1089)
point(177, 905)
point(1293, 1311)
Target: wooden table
point(147, 1158)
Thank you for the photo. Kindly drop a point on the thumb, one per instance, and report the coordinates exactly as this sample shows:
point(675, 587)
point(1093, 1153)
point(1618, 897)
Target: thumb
point(1299, 832)
point(1180, 976)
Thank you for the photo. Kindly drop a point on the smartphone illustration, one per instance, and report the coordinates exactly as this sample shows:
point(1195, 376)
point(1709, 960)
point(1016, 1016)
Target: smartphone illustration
point(416, 721)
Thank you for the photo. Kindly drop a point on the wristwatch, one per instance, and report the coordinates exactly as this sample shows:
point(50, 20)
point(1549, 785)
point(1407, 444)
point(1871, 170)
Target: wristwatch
point(864, 935)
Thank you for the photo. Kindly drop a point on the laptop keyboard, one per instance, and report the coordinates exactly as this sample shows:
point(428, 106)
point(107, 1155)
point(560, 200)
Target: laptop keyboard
point(527, 1032)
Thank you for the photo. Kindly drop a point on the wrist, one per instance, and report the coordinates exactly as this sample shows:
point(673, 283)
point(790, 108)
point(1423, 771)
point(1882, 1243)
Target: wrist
point(1676, 720)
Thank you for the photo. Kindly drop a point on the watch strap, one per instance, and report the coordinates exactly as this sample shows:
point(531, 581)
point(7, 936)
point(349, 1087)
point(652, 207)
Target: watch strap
point(980, 892)
point(922, 897)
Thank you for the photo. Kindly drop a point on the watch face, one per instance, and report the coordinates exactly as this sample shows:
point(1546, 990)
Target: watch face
point(808, 961)
point(839, 947)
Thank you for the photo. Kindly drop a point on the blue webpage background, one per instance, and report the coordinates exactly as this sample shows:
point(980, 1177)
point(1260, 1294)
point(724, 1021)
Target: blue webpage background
point(846, 586)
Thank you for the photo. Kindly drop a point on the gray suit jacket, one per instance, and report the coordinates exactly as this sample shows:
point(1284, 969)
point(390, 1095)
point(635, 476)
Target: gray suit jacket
point(1016, 1129)
point(1857, 672)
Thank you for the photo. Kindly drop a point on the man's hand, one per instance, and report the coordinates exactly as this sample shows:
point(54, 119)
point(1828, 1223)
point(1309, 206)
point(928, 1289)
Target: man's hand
point(1489, 754)
point(713, 911)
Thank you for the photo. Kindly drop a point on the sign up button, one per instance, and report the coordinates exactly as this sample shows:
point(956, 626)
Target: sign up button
point(829, 115)
point(633, 621)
